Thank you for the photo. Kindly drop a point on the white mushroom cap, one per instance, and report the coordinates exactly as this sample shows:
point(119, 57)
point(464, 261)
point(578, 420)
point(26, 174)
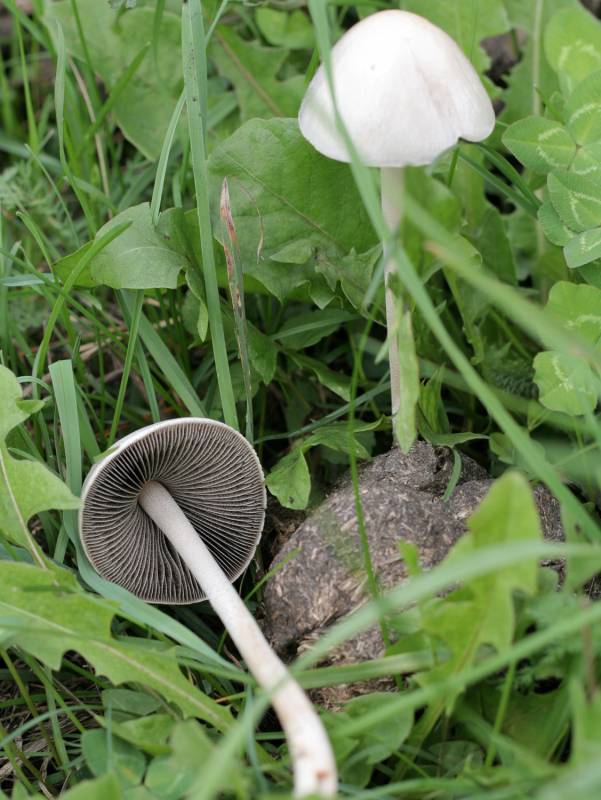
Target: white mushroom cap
point(404, 90)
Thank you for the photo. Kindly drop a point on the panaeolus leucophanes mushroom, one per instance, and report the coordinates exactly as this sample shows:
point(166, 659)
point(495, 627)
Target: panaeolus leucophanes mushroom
point(405, 93)
point(174, 513)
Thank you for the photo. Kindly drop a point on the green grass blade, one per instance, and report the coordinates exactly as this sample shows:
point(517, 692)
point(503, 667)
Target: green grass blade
point(168, 365)
point(34, 139)
point(111, 100)
point(521, 201)
point(159, 182)
point(236, 286)
point(88, 440)
point(127, 365)
point(65, 397)
point(97, 246)
point(195, 79)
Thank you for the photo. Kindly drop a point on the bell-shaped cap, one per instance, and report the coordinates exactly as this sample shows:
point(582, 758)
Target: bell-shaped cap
point(213, 474)
point(404, 90)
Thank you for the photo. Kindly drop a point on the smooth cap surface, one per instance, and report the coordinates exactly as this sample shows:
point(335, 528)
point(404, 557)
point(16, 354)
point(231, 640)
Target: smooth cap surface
point(404, 90)
point(215, 477)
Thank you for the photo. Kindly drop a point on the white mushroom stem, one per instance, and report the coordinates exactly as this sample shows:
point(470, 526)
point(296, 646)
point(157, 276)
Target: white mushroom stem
point(310, 750)
point(392, 209)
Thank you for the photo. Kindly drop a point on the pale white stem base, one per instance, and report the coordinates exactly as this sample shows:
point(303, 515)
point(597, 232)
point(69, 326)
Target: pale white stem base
point(311, 753)
point(392, 209)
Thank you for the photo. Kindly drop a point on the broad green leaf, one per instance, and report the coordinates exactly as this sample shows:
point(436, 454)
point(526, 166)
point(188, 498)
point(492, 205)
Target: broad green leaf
point(26, 487)
point(310, 327)
point(502, 447)
point(298, 252)
point(583, 249)
point(577, 200)
point(507, 514)
point(285, 29)
point(290, 480)
point(353, 272)
point(466, 22)
point(149, 733)
point(381, 743)
point(129, 702)
point(432, 406)
point(565, 383)
point(103, 756)
point(195, 313)
point(358, 754)
point(481, 612)
point(578, 307)
point(66, 265)
point(183, 773)
point(573, 45)
point(143, 257)
point(472, 305)
point(335, 381)
point(583, 110)
point(554, 229)
point(537, 721)
point(267, 163)
point(492, 242)
point(337, 437)
point(144, 108)
point(263, 353)
point(47, 612)
point(252, 70)
point(540, 144)
point(169, 782)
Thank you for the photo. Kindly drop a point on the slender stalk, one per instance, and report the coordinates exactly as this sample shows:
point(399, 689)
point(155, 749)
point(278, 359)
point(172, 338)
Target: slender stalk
point(127, 364)
point(312, 757)
point(392, 193)
point(195, 85)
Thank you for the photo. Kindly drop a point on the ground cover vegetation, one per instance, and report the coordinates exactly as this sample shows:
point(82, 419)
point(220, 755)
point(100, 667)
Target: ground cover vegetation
point(171, 246)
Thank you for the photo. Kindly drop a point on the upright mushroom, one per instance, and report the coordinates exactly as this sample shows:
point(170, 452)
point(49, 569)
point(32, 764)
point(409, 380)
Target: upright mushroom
point(174, 514)
point(405, 93)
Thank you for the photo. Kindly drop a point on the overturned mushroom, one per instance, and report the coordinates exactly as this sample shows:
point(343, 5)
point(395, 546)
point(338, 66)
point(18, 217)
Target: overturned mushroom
point(174, 514)
point(405, 93)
